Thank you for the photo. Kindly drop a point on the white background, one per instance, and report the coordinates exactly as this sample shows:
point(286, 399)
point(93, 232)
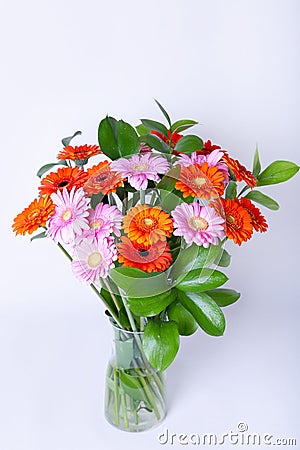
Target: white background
point(234, 66)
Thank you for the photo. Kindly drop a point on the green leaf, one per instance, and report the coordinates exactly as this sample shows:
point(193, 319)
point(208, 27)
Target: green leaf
point(206, 256)
point(277, 172)
point(39, 236)
point(150, 306)
point(157, 126)
point(161, 343)
point(136, 283)
point(256, 163)
point(49, 166)
point(205, 311)
point(184, 262)
point(154, 141)
point(189, 144)
point(107, 138)
point(263, 199)
point(164, 112)
point(224, 297)
point(186, 323)
point(66, 141)
point(200, 280)
point(142, 130)
point(96, 199)
point(127, 139)
point(231, 190)
point(168, 181)
point(182, 125)
point(223, 259)
point(132, 385)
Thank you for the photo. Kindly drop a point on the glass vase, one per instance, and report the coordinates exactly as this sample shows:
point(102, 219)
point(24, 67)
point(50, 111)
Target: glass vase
point(135, 391)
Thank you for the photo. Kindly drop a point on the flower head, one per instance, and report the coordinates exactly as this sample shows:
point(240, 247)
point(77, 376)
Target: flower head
point(34, 216)
point(201, 181)
point(70, 217)
point(141, 168)
point(92, 259)
point(80, 152)
point(105, 220)
point(146, 225)
point(213, 159)
point(153, 258)
point(258, 220)
point(239, 226)
point(101, 178)
point(199, 224)
point(240, 171)
point(64, 178)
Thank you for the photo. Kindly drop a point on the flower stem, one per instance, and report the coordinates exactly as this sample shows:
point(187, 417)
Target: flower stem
point(116, 383)
point(142, 197)
point(123, 402)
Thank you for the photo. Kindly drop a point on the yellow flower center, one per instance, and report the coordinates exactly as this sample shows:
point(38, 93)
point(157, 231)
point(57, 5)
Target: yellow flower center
point(140, 167)
point(230, 219)
point(33, 214)
point(66, 215)
point(148, 222)
point(199, 181)
point(97, 223)
point(198, 223)
point(94, 259)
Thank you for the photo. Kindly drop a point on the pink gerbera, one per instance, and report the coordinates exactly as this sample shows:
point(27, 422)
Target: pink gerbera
point(93, 259)
point(141, 168)
point(70, 217)
point(199, 224)
point(212, 159)
point(105, 220)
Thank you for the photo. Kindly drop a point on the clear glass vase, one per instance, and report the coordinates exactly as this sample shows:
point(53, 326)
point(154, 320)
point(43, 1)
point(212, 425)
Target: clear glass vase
point(135, 392)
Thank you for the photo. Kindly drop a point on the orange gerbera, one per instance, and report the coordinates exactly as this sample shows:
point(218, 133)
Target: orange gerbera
point(258, 220)
point(239, 226)
point(66, 177)
point(79, 152)
point(201, 181)
point(146, 225)
point(240, 171)
point(34, 216)
point(102, 179)
point(154, 258)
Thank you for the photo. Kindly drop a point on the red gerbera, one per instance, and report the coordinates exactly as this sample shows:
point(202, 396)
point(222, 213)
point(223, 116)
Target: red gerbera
point(174, 137)
point(240, 171)
point(239, 225)
point(66, 177)
point(154, 258)
point(258, 220)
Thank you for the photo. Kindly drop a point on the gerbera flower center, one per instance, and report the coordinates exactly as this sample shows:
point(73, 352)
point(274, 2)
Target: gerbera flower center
point(198, 223)
point(67, 215)
point(230, 219)
point(199, 181)
point(33, 214)
point(96, 224)
point(63, 184)
point(148, 222)
point(99, 178)
point(94, 260)
point(143, 252)
point(140, 167)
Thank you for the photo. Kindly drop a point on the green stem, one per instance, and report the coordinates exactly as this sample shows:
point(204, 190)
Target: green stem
point(134, 411)
point(108, 286)
point(147, 390)
point(142, 197)
point(245, 188)
point(123, 402)
point(116, 381)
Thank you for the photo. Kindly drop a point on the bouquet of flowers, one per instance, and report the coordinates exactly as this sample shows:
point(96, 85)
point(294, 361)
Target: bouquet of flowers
point(145, 227)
